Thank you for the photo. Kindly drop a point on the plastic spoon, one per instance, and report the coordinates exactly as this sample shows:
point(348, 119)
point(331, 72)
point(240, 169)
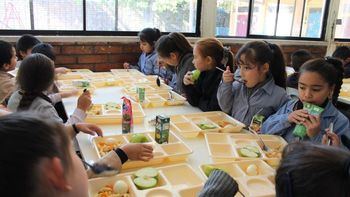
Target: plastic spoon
point(238, 80)
point(330, 131)
point(101, 168)
point(264, 147)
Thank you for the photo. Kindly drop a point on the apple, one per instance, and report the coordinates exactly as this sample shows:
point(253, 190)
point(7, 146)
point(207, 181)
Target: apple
point(138, 138)
point(195, 75)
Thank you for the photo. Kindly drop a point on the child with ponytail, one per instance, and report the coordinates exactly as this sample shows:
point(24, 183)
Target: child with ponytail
point(261, 89)
point(209, 56)
point(319, 84)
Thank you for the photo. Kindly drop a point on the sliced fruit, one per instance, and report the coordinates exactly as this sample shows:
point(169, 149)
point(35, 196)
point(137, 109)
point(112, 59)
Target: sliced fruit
point(146, 172)
point(243, 152)
point(252, 170)
point(253, 148)
point(205, 126)
point(145, 182)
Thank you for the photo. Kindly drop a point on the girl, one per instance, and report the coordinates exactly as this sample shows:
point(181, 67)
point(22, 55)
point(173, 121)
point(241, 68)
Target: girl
point(208, 54)
point(174, 50)
point(318, 82)
point(8, 62)
point(261, 89)
point(35, 78)
point(43, 161)
point(148, 61)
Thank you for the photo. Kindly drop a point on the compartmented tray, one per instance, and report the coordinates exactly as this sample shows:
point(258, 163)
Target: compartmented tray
point(105, 82)
point(75, 84)
point(160, 99)
point(99, 75)
point(225, 147)
point(127, 72)
point(191, 125)
point(111, 113)
point(254, 177)
point(174, 151)
point(149, 88)
point(176, 180)
point(81, 70)
point(70, 76)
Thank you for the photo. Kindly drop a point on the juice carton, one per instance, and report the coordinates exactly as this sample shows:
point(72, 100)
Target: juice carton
point(127, 121)
point(162, 129)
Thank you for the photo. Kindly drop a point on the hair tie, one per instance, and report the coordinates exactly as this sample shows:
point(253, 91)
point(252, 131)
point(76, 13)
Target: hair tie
point(347, 167)
point(225, 55)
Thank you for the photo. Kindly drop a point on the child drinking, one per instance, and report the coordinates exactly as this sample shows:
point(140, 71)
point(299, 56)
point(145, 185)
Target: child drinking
point(209, 56)
point(174, 50)
point(8, 62)
point(38, 157)
point(148, 61)
point(318, 82)
point(261, 89)
point(35, 78)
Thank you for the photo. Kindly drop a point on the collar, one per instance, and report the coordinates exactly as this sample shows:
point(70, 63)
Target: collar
point(268, 85)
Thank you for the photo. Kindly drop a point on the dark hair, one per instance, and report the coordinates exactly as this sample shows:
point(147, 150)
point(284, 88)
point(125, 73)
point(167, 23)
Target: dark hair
point(330, 69)
point(173, 42)
point(6, 53)
point(313, 170)
point(299, 57)
point(35, 75)
point(45, 49)
point(213, 48)
point(342, 52)
point(261, 52)
point(26, 139)
point(24, 43)
point(149, 35)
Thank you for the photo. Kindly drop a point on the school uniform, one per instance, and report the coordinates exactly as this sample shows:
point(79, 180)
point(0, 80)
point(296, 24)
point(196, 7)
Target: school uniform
point(7, 85)
point(220, 184)
point(182, 68)
point(278, 123)
point(243, 103)
point(148, 64)
point(203, 93)
point(44, 107)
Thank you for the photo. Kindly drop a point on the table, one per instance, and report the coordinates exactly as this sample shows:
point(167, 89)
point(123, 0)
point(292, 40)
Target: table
point(200, 153)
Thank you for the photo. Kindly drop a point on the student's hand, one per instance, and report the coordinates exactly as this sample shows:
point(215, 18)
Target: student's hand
point(335, 141)
point(188, 79)
point(298, 116)
point(90, 129)
point(137, 151)
point(227, 76)
point(313, 125)
point(126, 65)
point(61, 70)
point(84, 101)
point(69, 93)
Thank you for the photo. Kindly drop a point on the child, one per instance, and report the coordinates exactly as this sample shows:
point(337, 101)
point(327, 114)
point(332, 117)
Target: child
point(343, 54)
point(261, 89)
point(35, 77)
point(208, 54)
point(8, 62)
point(43, 161)
point(305, 170)
point(318, 82)
point(176, 51)
point(298, 58)
point(148, 61)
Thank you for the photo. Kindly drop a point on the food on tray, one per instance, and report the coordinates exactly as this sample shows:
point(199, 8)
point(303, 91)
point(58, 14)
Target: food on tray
point(195, 75)
point(274, 153)
point(206, 126)
point(107, 145)
point(138, 138)
point(146, 178)
point(94, 110)
point(252, 170)
point(112, 107)
point(120, 189)
point(207, 169)
point(109, 82)
point(249, 151)
point(224, 123)
point(81, 83)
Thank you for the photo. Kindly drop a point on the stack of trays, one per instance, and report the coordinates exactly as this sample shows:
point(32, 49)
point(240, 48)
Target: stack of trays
point(174, 151)
point(191, 125)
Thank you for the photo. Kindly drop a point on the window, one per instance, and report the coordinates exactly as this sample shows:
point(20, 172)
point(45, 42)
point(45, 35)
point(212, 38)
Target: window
point(99, 16)
point(343, 23)
point(271, 18)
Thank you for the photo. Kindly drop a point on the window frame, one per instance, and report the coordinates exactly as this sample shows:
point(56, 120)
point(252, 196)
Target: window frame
point(84, 32)
point(256, 36)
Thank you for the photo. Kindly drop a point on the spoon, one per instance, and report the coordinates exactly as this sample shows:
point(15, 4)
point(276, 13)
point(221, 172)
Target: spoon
point(238, 80)
point(330, 131)
point(264, 147)
point(158, 80)
point(101, 168)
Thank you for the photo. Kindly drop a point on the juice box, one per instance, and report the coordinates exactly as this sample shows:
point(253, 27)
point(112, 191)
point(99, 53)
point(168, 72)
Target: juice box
point(127, 120)
point(162, 129)
point(141, 94)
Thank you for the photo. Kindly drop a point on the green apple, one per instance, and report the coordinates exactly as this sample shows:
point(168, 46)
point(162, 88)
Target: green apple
point(146, 172)
point(195, 75)
point(145, 182)
point(138, 138)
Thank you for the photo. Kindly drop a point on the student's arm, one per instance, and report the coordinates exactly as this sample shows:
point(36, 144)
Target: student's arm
point(278, 123)
point(87, 128)
point(225, 96)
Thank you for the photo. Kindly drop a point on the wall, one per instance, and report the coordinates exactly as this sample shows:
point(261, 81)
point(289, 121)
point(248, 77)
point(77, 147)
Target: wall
point(103, 56)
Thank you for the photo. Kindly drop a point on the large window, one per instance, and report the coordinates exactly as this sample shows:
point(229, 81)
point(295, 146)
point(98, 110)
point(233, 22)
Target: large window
point(343, 22)
point(271, 18)
point(99, 16)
